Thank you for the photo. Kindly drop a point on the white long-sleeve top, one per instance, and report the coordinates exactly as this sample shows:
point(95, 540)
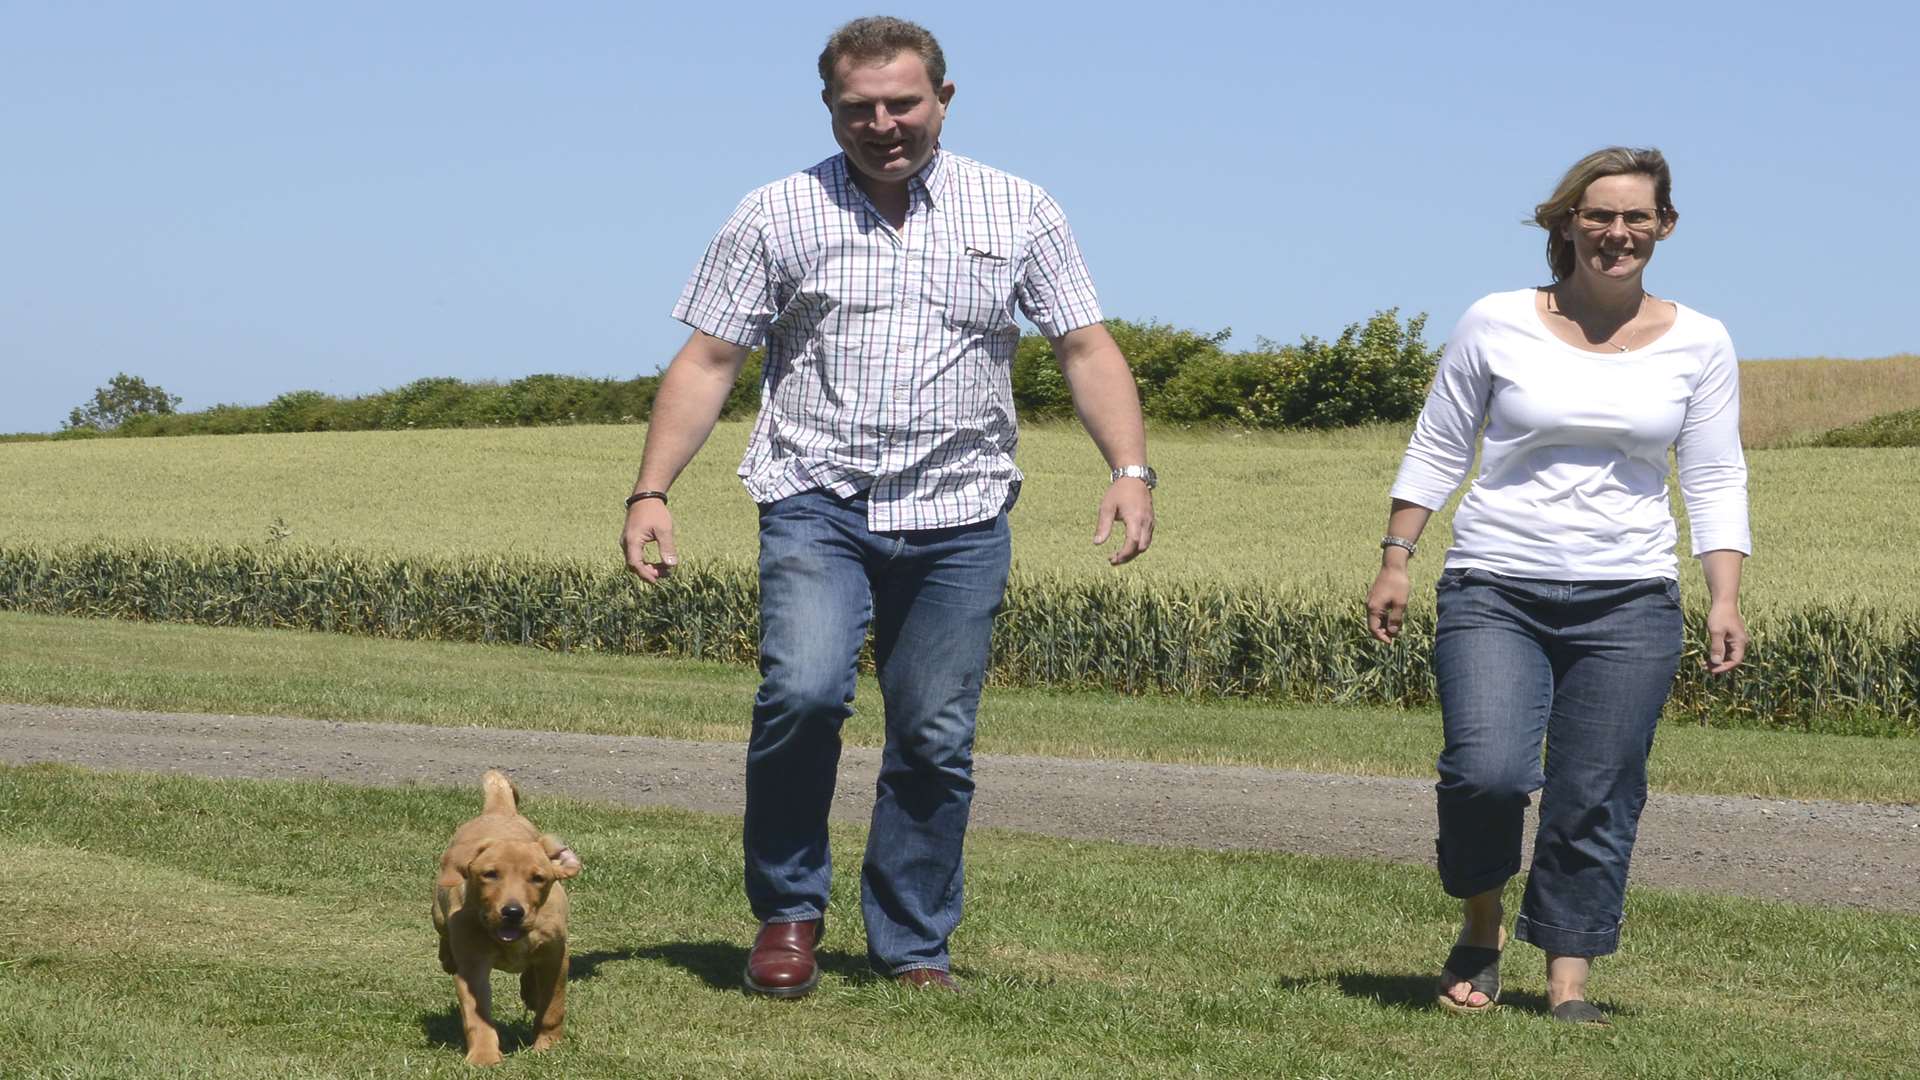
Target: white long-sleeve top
point(1573, 473)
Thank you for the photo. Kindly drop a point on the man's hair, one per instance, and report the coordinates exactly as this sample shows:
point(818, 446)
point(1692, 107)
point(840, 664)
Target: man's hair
point(1612, 161)
point(877, 39)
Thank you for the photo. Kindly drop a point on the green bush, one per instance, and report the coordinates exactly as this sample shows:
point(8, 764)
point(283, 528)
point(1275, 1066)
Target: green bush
point(744, 398)
point(1217, 388)
point(1039, 390)
point(1377, 371)
point(1886, 430)
point(301, 410)
point(1157, 352)
point(1372, 373)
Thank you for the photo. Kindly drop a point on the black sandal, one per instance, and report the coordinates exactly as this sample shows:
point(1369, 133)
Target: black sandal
point(1577, 1011)
point(1478, 967)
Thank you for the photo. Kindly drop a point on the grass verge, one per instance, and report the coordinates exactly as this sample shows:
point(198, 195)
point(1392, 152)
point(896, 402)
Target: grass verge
point(184, 927)
point(111, 664)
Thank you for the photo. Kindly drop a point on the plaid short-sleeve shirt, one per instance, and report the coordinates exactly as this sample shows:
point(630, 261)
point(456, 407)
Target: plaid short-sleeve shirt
point(890, 352)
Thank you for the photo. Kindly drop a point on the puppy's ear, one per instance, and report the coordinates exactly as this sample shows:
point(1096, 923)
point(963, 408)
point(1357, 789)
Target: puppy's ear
point(466, 868)
point(565, 863)
point(453, 866)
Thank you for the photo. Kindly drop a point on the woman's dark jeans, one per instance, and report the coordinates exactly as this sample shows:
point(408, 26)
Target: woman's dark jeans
point(1584, 666)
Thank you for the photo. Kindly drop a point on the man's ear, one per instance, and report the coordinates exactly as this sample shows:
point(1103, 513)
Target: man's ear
point(565, 863)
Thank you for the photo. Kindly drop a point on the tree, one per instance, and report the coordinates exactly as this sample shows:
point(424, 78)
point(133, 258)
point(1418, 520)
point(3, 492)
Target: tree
point(124, 397)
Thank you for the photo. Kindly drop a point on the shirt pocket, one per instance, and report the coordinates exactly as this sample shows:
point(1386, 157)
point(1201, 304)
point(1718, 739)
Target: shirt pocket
point(972, 279)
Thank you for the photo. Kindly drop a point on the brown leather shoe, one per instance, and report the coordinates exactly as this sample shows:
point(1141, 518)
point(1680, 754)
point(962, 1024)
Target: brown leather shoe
point(928, 979)
point(781, 964)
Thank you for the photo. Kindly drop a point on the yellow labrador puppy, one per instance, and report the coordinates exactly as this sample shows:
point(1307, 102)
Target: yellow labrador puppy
point(498, 903)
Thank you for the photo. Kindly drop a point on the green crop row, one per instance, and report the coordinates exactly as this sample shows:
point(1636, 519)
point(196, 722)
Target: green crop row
point(1823, 668)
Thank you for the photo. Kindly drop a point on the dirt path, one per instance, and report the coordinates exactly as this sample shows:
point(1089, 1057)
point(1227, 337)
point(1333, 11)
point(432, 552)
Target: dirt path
point(1849, 854)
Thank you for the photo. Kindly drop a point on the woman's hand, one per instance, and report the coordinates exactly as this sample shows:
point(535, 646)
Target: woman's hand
point(1726, 638)
point(1726, 630)
point(1387, 601)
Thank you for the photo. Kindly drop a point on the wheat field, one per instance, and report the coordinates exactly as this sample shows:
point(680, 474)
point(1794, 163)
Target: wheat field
point(1295, 511)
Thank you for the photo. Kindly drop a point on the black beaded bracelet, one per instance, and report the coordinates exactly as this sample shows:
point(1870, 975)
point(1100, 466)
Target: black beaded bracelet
point(638, 495)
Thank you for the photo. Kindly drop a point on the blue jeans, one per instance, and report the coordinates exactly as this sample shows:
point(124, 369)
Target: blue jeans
point(1586, 666)
point(929, 597)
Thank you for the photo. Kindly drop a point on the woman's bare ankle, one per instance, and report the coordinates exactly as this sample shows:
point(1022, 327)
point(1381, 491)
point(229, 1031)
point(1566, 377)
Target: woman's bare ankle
point(1567, 978)
point(1483, 921)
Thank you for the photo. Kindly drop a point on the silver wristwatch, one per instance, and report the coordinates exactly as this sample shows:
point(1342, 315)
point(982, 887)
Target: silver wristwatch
point(1399, 542)
point(1142, 473)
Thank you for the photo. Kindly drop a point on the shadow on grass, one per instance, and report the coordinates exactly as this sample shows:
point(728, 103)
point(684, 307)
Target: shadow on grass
point(1408, 992)
point(443, 1029)
point(584, 966)
point(1417, 993)
point(720, 963)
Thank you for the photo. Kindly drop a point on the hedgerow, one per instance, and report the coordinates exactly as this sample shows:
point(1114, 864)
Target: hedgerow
point(1374, 371)
point(1886, 430)
point(1823, 668)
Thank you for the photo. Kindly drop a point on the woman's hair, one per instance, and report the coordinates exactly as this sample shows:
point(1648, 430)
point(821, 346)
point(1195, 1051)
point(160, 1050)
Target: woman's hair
point(1613, 161)
point(878, 39)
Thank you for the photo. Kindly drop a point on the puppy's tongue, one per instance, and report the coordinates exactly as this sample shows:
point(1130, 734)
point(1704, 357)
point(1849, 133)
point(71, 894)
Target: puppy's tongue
point(509, 933)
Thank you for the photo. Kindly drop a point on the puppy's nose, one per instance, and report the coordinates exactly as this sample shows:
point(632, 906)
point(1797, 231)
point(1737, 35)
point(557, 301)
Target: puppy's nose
point(512, 913)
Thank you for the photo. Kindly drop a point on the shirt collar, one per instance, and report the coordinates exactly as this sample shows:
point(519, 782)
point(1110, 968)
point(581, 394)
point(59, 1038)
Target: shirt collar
point(935, 177)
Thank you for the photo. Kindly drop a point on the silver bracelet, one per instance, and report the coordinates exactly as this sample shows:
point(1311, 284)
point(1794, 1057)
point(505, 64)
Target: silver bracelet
point(1399, 542)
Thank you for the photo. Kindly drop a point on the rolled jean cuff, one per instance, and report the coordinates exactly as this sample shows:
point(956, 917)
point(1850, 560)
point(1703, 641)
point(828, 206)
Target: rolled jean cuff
point(1465, 888)
point(1559, 941)
point(918, 965)
point(806, 914)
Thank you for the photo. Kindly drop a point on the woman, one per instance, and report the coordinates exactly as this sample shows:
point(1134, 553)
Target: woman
point(1559, 605)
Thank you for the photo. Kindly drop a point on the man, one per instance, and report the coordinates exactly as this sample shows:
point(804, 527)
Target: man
point(882, 282)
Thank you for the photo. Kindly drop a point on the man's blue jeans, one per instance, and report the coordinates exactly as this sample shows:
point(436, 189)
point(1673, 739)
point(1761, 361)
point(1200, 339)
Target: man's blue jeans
point(930, 597)
point(1586, 666)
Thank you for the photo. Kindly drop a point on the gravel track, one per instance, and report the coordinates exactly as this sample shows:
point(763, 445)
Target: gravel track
point(1845, 854)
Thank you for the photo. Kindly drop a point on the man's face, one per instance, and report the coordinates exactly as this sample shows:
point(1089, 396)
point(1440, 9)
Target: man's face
point(886, 116)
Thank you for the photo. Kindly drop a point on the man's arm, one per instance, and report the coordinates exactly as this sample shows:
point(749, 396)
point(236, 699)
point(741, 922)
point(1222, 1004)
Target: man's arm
point(692, 393)
point(1108, 402)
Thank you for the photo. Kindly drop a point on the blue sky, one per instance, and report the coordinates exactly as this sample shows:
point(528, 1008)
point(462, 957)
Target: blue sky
point(238, 200)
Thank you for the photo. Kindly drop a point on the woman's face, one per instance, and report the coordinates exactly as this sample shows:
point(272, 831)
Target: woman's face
point(1614, 228)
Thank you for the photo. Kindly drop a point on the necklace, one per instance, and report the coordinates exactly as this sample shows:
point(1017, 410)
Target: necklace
point(1625, 328)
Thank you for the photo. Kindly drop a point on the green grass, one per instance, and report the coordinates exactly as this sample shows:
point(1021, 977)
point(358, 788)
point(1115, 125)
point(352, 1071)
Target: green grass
point(166, 927)
point(111, 664)
point(1295, 510)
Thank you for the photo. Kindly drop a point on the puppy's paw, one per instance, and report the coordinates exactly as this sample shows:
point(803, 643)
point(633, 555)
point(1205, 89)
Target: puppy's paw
point(484, 1055)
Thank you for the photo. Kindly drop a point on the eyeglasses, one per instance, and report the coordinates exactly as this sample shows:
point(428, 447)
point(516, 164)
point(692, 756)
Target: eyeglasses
point(1595, 219)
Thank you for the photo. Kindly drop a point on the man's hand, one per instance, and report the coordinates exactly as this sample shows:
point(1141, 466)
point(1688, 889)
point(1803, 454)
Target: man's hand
point(1387, 602)
point(1726, 638)
point(1130, 503)
point(649, 521)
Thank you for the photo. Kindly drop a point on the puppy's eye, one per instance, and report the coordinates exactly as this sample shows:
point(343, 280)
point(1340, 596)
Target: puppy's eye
point(490, 875)
point(539, 879)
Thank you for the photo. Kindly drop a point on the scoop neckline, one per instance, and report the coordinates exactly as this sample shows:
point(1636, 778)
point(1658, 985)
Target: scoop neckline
point(1533, 308)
